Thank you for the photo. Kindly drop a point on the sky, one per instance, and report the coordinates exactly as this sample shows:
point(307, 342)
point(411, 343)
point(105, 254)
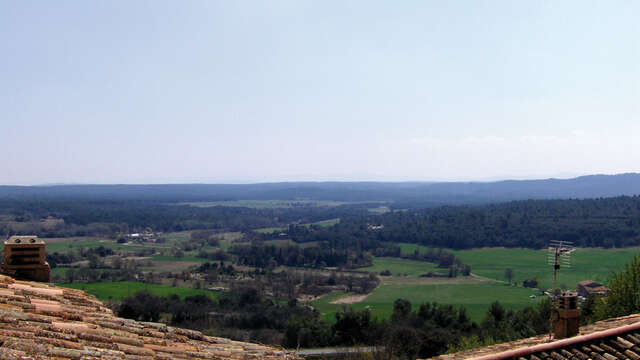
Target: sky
point(263, 91)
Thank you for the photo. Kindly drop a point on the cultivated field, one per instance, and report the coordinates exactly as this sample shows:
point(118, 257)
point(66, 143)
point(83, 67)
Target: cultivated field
point(158, 255)
point(586, 264)
point(400, 267)
point(475, 292)
point(488, 284)
point(323, 223)
point(476, 298)
point(115, 291)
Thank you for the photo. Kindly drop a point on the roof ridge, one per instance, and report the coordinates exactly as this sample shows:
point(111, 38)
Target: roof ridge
point(560, 343)
point(628, 325)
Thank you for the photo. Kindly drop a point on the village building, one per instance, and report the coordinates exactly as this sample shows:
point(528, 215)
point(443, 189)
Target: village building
point(589, 287)
point(147, 236)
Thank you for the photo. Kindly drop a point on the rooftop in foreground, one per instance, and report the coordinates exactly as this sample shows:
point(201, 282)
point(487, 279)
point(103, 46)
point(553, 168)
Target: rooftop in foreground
point(38, 321)
point(611, 339)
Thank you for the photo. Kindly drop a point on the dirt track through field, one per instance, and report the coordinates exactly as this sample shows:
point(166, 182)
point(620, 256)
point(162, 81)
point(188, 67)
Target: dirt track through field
point(412, 280)
point(351, 299)
point(485, 278)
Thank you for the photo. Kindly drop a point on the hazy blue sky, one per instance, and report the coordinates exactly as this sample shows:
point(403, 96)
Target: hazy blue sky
point(251, 91)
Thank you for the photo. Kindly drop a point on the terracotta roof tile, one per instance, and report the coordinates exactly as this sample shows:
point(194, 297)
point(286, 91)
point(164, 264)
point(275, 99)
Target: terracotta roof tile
point(611, 339)
point(38, 321)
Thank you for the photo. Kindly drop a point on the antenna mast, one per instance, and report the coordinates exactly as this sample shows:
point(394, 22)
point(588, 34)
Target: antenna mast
point(558, 256)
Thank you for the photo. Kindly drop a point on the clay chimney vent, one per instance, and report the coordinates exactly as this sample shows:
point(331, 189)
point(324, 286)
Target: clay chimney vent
point(567, 321)
point(25, 259)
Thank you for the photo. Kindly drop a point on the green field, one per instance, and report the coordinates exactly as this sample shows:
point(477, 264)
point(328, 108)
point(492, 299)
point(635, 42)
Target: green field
point(175, 237)
point(399, 266)
point(66, 246)
point(586, 263)
point(407, 248)
point(116, 291)
point(58, 271)
point(474, 293)
point(476, 298)
point(269, 230)
point(323, 223)
point(324, 306)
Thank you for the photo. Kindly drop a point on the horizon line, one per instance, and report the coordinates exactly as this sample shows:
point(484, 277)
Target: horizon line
point(240, 182)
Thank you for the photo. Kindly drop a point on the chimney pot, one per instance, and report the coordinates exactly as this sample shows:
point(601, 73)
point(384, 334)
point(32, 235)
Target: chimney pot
point(567, 316)
point(25, 259)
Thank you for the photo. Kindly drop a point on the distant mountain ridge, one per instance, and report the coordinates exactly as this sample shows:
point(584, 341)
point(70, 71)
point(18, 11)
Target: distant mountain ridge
point(426, 193)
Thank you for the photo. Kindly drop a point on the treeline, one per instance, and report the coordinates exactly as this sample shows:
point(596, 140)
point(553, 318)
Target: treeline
point(349, 254)
point(443, 258)
point(428, 330)
point(56, 258)
point(271, 256)
point(433, 328)
point(350, 243)
point(610, 222)
point(243, 313)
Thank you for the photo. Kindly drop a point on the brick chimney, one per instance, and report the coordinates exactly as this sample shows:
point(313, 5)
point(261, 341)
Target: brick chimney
point(566, 316)
point(25, 259)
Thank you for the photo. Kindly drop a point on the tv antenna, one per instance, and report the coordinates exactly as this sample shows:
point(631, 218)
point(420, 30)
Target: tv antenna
point(559, 255)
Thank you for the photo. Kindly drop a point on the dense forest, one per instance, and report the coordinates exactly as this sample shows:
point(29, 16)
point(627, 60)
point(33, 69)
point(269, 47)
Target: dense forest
point(606, 222)
point(610, 222)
